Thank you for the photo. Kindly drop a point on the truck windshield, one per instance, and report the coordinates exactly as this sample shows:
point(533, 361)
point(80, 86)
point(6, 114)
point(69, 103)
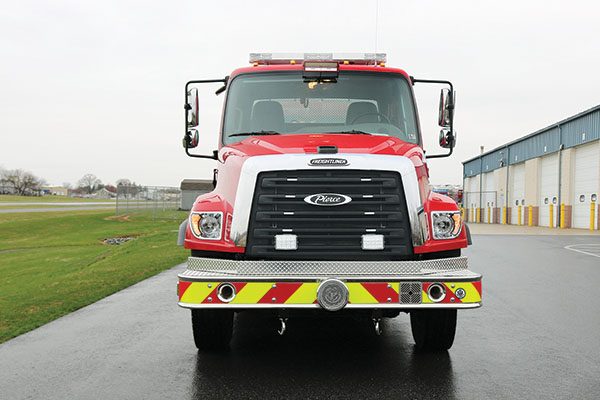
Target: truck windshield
point(282, 103)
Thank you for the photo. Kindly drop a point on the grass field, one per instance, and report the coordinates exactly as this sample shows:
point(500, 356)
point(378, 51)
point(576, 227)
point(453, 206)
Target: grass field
point(54, 263)
point(10, 198)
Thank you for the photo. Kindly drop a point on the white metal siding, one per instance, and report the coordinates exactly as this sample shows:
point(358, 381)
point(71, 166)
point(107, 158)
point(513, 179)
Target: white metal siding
point(488, 196)
point(473, 198)
point(548, 188)
point(517, 192)
point(586, 176)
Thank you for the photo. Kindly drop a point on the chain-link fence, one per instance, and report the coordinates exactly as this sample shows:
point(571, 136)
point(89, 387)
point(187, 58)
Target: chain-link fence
point(159, 202)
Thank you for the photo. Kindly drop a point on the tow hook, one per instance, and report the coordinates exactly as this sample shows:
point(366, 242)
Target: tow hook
point(377, 326)
point(282, 316)
point(376, 317)
point(282, 326)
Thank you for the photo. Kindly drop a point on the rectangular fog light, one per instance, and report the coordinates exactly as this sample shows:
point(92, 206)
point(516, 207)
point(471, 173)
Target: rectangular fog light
point(372, 242)
point(286, 242)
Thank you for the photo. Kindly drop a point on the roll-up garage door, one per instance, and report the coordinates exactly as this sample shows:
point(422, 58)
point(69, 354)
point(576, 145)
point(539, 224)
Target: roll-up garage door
point(488, 197)
point(517, 192)
point(473, 197)
point(586, 176)
point(548, 189)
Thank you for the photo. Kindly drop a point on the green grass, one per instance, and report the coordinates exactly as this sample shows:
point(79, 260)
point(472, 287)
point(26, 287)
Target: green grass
point(54, 263)
point(54, 206)
point(11, 198)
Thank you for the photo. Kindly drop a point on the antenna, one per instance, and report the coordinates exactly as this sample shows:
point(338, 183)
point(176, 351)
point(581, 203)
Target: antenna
point(376, 23)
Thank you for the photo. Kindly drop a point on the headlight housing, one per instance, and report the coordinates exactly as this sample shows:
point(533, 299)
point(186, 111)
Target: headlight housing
point(207, 225)
point(446, 224)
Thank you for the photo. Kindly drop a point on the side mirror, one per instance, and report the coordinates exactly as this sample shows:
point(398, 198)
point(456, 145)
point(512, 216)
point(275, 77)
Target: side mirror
point(447, 139)
point(192, 108)
point(446, 111)
point(191, 138)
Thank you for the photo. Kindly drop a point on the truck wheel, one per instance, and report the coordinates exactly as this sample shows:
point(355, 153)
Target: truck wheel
point(212, 329)
point(433, 330)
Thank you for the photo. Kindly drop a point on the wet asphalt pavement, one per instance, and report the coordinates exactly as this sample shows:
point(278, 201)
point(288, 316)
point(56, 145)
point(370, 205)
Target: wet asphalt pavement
point(537, 336)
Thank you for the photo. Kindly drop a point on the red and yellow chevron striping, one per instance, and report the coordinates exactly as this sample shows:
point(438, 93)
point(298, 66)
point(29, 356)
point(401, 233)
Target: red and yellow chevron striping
point(305, 293)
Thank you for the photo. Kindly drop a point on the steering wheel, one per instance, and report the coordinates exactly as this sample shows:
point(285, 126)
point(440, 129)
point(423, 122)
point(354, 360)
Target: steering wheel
point(371, 113)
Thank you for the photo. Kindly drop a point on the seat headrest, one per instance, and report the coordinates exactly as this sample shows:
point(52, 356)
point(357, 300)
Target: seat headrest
point(359, 108)
point(267, 116)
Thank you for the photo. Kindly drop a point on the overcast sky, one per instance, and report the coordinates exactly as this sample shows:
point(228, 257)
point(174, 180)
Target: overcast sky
point(98, 86)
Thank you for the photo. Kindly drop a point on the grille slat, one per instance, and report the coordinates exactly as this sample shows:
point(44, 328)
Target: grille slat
point(329, 232)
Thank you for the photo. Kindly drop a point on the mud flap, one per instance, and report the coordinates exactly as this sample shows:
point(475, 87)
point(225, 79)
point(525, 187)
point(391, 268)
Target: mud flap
point(182, 229)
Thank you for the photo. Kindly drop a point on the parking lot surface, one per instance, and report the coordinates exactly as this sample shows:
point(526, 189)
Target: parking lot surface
point(536, 336)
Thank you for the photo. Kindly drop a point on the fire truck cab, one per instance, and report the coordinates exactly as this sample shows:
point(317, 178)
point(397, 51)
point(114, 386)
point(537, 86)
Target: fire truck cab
point(322, 202)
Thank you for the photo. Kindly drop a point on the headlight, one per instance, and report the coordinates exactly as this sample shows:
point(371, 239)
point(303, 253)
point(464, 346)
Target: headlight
point(446, 224)
point(206, 225)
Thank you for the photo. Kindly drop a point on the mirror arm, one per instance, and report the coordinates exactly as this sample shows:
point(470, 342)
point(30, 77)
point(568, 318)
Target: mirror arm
point(187, 107)
point(214, 156)
point(222, 88)
point(414, 80)
point(442, 155)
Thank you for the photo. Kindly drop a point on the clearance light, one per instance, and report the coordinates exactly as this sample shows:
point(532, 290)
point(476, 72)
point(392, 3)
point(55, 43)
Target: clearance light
point(446, 224)
point(286, 242)
point(372, 242)
point(206, 225)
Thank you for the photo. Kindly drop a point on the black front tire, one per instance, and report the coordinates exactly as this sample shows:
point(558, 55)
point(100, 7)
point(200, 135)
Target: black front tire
point(433, 330)
point(212, 329)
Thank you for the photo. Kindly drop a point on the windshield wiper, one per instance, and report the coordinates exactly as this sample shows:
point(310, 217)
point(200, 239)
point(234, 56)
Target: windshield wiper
point(352, 132)
point(257, 133)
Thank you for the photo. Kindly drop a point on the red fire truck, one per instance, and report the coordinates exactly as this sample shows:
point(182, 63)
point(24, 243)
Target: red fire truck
point(322, 202)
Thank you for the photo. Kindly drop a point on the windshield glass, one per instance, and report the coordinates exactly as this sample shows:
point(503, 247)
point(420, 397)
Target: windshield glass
point(281, 102)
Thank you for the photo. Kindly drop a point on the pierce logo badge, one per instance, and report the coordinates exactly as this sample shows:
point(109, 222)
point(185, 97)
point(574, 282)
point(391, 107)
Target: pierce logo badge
point(327, 199)
point(329, 162)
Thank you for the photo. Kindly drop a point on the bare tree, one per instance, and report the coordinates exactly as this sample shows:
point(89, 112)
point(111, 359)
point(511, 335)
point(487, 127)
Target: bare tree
point(67, 185)
point(23, 182)
point(123, 182)
point(89, 183)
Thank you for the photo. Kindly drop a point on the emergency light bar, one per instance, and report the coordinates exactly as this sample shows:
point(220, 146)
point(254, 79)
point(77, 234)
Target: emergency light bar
point(341, 58)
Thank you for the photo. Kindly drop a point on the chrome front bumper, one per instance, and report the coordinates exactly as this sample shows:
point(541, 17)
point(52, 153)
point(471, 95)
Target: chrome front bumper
point(294, 284)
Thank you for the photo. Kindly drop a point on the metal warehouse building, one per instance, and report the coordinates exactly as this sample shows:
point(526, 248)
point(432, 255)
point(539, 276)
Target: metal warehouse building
point(548, 178)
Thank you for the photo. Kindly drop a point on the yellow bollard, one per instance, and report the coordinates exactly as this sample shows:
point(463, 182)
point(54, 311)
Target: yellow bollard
point(519, 212)
point(562, 216)
point(551, 215)
point(478, 218)
point(530, 219)
point(504, 211)
point(489, 212)
point(592, 215)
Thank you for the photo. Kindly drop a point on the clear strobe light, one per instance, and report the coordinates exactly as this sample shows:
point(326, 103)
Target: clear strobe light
point(372, 242)
point(286, 242)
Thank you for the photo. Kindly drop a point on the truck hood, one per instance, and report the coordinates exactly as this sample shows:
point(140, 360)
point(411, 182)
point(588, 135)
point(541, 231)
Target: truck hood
point(287, 144)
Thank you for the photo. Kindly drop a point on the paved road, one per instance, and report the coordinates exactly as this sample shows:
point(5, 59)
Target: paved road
point(537, 336)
